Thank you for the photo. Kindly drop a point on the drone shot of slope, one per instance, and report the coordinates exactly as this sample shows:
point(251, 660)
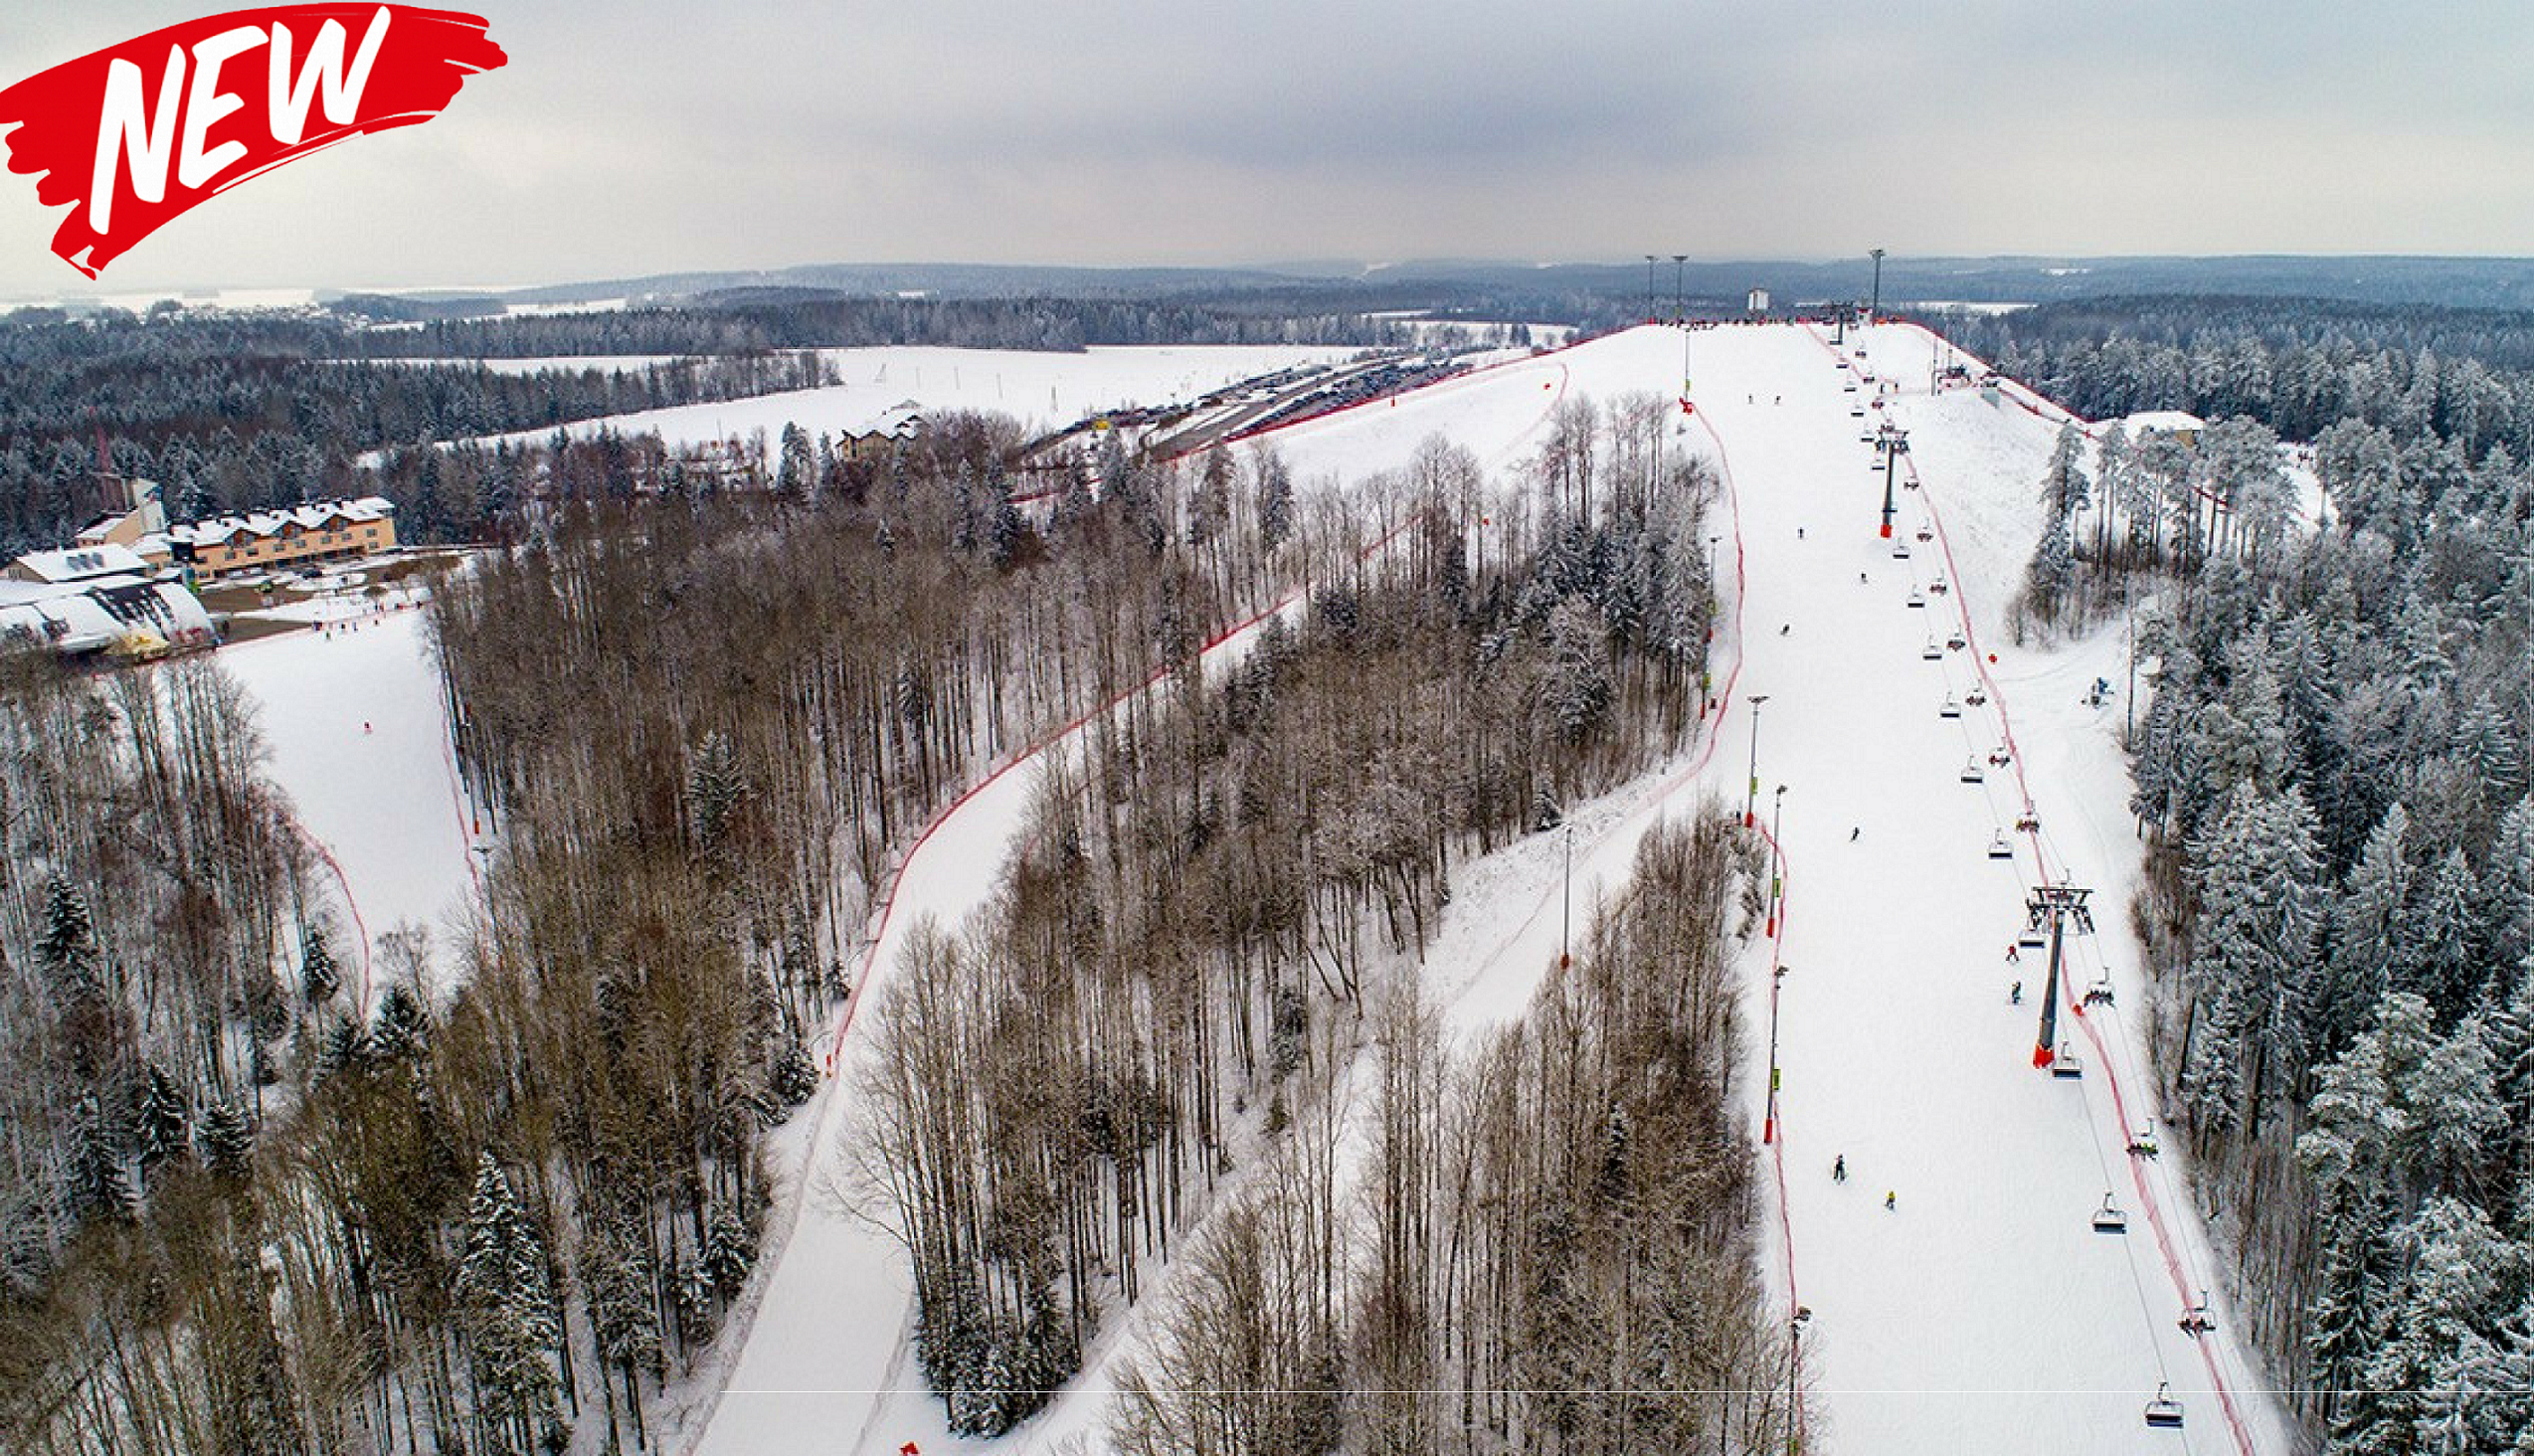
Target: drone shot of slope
point(1783, 735)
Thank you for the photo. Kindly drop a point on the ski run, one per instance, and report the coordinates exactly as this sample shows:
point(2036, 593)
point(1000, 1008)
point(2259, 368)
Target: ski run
point(1962, 1288)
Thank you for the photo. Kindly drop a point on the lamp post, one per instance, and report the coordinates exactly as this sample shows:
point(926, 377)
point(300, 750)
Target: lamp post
point(1768, 1119)
point(1794, 1363)
point(1777, 858)
point(1876, 307)
point(1567, 904)
point(1751, 799)
point(1649, 287)
point(1680, 309)
point(1894, 445)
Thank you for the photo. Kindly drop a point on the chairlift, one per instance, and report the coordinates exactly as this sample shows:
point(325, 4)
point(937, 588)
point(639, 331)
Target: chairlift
point(1916, 599)
point(2000, 757)
point(1900, 550)
point(1956, 642)
point(2099, 994)
point(1855, 411)
point(2110, 1218)
point(1938, 586)
point(1851, 386)
point(1998, 848)
point(1926, 535)
point(2164, 1412)
point(1933, 654)
point(1975, 697)
point(2195, 1321)
point(2066, 1065)
point(1949, 708)
point(1971, 771)
point(2142, 1143)
point(2031, 940)
point(2027, 823)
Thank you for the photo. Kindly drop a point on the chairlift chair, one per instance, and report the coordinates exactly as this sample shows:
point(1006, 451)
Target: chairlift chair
point(2195, 1321)
point(1900, 550)
point(2066, 1065)
point(2031, 940)
point(1916, 599)
point(2164, 1412)
point(1956, 642)
point(2142, 1143)
point(1855, 411)
point(1971, 771)
point(2110, 1218)
point(2027, 823)
point(2099, 994)
point(1938, 586)
point(1998, 848)
point(1975, 697)
point(1933, 654)
point(1926, 535)
point(1950, 708)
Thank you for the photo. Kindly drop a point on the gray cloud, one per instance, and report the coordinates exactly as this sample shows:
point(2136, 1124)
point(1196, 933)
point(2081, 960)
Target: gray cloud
point(640, 135)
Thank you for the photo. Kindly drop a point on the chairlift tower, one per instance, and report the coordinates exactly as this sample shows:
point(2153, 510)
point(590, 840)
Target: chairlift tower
point(1893, 443)
point(2061, 906)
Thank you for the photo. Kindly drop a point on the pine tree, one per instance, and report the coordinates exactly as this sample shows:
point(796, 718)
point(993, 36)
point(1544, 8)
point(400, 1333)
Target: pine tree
point(509, 1311)
point(402, 1030)
point(1576, 689)
point(163, 1130)
point(98, 1185)
point(1275, 499)
point(318, 977)
point(226, 1140)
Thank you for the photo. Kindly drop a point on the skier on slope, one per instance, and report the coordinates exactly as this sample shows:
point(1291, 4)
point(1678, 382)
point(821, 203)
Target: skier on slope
point(1839, 1169)
point(2011, 957)
point(2015, 994)
point(1891, 1199)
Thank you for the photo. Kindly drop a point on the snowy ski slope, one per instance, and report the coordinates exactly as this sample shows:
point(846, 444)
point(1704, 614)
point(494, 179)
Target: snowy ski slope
point(358, 737)
point(1980, 1312)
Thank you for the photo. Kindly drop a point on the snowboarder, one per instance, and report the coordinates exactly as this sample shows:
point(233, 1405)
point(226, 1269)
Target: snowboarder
point(1799, 533)
point(1854, 832)
point(1891, 1199)
point(1789, 626)
point(1861, 579)
point(2015, 994)
point(1839, 1169)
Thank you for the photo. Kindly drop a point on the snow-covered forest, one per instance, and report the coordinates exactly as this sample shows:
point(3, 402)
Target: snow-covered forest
point(2333, 782)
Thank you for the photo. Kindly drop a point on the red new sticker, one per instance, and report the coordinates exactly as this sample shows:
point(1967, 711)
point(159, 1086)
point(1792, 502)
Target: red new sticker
point(134, 134)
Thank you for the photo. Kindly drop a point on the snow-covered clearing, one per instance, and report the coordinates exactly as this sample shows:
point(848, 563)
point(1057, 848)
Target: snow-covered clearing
point(1980, 1312)
point(1044, 390)
point(353, 717)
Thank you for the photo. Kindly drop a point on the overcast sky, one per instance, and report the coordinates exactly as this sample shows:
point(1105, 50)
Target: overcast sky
point(636, 136)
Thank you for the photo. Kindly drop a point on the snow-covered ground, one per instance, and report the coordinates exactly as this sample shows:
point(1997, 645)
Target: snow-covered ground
point(353, 718)
point(1044, 390)
point(1982, 1312)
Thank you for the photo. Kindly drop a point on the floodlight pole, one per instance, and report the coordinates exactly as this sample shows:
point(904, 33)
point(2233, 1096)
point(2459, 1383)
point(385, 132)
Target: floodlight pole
point(1680, 309)
point(1768, 1118)
point(1891, 438)
point(1875, 307)
point(1776, 859)
point(1750, 801)
point(1649, 287)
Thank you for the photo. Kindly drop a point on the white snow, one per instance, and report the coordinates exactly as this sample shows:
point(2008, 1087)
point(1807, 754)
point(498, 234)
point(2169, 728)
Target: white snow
point(1043, 389)
point(353, 718)
point(1981, 1312)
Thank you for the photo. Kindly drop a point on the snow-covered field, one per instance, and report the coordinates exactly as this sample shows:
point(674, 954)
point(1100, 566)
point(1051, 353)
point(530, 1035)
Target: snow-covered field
point(353, 715)
point(1043, 390)
point(1980, 1312)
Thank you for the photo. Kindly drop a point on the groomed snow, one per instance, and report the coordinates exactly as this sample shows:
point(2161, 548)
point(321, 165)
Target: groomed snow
point(353, 715)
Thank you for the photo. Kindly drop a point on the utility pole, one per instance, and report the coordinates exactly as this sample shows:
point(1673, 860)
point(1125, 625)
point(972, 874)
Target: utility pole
point(1750, 801)
point(1875, 307)
point(2062, 906)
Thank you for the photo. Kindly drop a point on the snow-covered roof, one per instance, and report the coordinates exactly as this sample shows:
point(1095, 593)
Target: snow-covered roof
point(2168, 421)
point(898, 422)
point(86, 616)
point(81, 563)
point(317, 515)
